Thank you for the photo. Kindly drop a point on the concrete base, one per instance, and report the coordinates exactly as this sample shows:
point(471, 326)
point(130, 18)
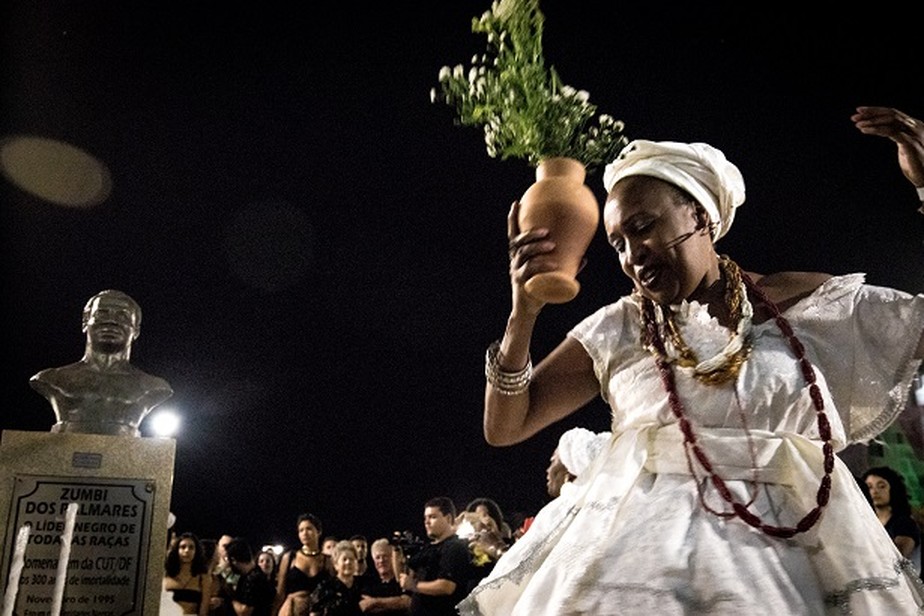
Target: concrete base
point(113, 540)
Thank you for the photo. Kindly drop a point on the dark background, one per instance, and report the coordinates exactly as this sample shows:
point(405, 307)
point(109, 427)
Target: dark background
point(320, 254)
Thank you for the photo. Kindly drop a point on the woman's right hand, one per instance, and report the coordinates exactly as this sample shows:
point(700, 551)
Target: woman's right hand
point(522, 248)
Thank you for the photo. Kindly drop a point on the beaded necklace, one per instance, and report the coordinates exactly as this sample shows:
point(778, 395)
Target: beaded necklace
point(653, 340)
point(725, 365)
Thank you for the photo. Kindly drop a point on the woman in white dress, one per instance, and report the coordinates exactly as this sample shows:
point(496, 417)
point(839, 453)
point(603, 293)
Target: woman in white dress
point(730, 392)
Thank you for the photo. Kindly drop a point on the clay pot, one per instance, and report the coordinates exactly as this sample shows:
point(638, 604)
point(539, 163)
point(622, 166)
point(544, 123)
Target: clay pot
point(560, 201)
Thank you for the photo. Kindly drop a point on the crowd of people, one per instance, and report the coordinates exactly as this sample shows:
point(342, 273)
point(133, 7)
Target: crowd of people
point(324, 576)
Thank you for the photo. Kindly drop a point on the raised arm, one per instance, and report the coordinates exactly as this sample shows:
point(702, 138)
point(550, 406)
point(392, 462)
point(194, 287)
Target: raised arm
point(908, 135)
point(520, 400)
point(905, 131)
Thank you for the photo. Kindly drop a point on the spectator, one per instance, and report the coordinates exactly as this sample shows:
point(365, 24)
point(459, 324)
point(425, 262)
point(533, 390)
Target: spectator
point(186, 575)
point(327, 546)
point(254, 594)
point(223, 578)
point(362, 553)
point(485, 543)
point(381, 592)
point(222, 568)
point(301, 570)
point(889, 497)
point(339, 595)
point(437, 575)
point(488, 507)
point(210, 553)
point(266, 560)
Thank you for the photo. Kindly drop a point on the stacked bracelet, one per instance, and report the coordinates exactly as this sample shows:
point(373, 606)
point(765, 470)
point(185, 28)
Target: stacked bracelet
point(506, 383)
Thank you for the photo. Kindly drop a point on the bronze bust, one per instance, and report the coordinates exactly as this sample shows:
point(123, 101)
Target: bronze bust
point(103, 393)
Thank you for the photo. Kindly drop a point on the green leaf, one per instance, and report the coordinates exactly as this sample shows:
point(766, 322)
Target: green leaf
point(524, 108)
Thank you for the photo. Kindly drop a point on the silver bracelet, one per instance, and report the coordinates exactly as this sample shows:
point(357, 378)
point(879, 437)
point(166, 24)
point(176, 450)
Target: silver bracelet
point(505, 382)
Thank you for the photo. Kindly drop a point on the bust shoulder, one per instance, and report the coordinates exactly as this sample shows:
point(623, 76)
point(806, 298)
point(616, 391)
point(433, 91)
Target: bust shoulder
point(787, 288)
point(55, 378)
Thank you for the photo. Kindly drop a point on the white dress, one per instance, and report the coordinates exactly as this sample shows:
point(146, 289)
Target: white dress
point(631, 536)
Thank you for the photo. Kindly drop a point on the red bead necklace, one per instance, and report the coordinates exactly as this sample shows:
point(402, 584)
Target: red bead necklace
point(654, 341)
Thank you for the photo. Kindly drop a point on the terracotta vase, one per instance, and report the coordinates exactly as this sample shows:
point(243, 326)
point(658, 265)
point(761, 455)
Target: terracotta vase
point(560, 201)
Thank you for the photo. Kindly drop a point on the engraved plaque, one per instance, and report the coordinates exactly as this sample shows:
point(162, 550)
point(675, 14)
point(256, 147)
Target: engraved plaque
point(106, 568)
point(121, 486)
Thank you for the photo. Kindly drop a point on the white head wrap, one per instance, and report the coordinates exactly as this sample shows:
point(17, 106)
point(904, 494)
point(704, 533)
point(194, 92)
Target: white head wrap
point(578, 447)
point(698, 168)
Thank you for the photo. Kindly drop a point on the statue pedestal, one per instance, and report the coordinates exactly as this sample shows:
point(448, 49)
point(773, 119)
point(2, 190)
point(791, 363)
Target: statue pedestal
point(115, 558)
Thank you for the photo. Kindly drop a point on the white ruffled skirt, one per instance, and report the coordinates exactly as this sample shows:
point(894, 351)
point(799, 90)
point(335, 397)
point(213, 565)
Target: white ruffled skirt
point(632, 537)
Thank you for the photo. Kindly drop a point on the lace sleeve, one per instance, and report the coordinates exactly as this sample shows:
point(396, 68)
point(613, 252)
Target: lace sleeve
point(864, 338)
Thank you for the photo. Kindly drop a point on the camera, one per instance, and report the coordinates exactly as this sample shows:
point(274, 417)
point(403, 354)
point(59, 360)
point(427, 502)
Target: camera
point(406, 541)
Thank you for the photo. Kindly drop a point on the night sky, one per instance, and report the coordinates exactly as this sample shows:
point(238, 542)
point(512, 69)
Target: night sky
point(320, 254)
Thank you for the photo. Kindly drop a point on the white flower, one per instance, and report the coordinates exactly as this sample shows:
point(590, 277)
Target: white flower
point(524, 108)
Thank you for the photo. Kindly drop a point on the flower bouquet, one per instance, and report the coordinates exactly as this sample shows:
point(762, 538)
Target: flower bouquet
point(522, 105)
point(527, 112)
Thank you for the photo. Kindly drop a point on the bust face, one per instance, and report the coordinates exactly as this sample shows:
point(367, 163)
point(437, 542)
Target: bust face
point(112, 324)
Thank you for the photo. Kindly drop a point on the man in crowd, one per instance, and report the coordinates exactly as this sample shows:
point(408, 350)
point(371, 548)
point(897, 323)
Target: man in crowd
point(362, 554)
point(382, 593)
point(438, 574)
point(254, 593)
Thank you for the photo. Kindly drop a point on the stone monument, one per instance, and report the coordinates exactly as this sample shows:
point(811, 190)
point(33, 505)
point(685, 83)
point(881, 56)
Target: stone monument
point(86, 505)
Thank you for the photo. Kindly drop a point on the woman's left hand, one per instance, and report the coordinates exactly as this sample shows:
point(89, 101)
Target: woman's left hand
point(907, 132)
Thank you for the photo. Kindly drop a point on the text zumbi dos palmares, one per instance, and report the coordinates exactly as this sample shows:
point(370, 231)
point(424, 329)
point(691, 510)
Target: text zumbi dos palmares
point(92, 504)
